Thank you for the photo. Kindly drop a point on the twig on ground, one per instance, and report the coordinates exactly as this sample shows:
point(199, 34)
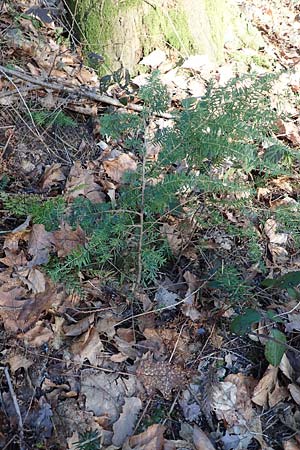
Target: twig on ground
point(82, 91)
point(16, 406)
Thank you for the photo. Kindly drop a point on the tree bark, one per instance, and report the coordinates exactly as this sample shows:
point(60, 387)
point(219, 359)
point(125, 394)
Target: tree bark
point(123, 31)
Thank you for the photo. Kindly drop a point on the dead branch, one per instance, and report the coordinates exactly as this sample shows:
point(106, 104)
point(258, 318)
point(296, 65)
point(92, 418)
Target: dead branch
point(82, 91)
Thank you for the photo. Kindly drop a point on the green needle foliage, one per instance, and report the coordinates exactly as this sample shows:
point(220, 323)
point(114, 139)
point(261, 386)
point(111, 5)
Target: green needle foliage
point(227, 142)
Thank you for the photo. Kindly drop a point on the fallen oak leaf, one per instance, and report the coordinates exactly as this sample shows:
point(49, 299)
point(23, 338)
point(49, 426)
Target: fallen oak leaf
point(66, 239)
point(117, 164)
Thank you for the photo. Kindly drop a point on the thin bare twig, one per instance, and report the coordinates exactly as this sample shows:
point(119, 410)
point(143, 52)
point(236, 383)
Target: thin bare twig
point(82, 91)
point(16, 406)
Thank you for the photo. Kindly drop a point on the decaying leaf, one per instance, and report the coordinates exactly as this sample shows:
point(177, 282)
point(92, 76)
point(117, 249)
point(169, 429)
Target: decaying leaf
point(37, 336)
point(124, 426)
point(161, 376)
point(81, 182)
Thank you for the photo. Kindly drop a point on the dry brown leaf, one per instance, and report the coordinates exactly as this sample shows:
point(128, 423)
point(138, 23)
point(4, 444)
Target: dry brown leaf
point(124, 426)
point(161, 376)
point(88, 346)
point(53, 175)
point(291, 131)
point(81, 182)
point(117, 164)
point(39, 244)
point(66, 240)
point(151, 439)
point(265, 386)
point(76, 329)
point(188, 308)
point(19, 309)
point(33, 278)
point(200, 440)
point(291, 445)
point(37, 336)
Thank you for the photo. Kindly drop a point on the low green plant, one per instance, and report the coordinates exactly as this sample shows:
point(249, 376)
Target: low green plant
point(46, 118)
point(90, 440)
point(220, 138)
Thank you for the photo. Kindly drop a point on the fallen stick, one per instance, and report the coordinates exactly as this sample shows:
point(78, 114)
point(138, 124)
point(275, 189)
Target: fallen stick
point(82, 91)
point(16, 406)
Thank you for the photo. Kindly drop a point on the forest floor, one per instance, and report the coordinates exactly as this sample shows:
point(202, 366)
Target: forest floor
point(93, 369)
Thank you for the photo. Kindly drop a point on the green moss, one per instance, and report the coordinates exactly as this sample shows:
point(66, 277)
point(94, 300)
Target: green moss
point(168, 28)
point(215, 10)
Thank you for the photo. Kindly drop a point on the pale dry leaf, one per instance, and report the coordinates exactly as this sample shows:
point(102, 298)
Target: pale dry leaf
point(163, 297)
point(154, 59)
point(200, 440)
point(17, 361)
point(265, 386)
point(66, 239)
point(117, 164)
point(286, 367)
point(295, 392)
point(33, 278)
point(279, 394)
point(105, 393)
point(196, 62)
point(57, 328)
point(52, 176)
point(274, 237)
point(150, 439)
point(124, 426)
point(81, 182)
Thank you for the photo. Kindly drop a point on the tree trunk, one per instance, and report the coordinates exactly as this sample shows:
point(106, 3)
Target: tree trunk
point(123, 31)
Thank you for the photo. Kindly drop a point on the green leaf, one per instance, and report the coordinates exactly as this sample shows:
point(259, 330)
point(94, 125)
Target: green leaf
point(274, 351)
point(241, 324)
point(289, 280)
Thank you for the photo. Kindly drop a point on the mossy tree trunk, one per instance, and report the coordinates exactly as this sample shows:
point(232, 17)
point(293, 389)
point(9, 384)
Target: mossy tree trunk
point(123, 31)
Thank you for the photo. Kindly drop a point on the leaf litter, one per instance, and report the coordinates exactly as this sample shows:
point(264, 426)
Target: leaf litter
point(93, 374)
